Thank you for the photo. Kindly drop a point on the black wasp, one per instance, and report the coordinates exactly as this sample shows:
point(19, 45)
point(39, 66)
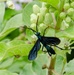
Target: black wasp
point(47, 42)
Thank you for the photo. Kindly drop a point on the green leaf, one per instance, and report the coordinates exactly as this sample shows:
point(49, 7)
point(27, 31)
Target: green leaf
point(53, 3)
point(59, 60)
point(6, 63)
point(18, 65)
point(14, 22)
point(35, 67)
point(18, 47)
point(4, 34)
point(15, 47)
point(38, 64)
point(27, 70)
point(9, 13)
point(5, 72)
point(69, 68)
point(2, 11)
point(11, 25)
point(3, 47)
point(28, 11)
point(68, 33)
point(29, 35)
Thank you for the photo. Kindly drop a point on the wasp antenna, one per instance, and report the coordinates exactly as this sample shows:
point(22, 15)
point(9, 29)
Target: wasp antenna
point(59, 47)
point(45, 30)
point(32, 30)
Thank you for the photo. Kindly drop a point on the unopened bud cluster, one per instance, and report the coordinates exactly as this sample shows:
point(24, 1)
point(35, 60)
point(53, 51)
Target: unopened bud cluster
point(68, 14)
point(42, 15)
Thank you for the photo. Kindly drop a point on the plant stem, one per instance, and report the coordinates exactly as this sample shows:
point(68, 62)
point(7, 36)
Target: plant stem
point(51, 66)
point(51, 70)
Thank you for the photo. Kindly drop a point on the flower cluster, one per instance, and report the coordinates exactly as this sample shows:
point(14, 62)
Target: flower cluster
point(43, 15)
point(68, 14)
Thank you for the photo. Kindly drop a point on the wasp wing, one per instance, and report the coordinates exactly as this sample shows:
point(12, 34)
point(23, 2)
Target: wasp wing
point(34, 50)
point(50, 40)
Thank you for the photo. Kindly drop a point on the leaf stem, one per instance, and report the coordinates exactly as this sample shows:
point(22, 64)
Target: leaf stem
point(51, 66)
point(51, 70)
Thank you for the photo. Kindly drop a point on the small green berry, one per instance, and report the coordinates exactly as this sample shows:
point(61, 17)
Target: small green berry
point(64, 25)
point(70, 11)
point(68, 19)
point(62, 15)
point(66, 6)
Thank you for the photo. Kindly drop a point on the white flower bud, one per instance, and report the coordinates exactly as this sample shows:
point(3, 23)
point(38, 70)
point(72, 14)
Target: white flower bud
point(62, 15)
point(68, 19)
point(42, 26)
point(43, 10)
point(64, 25)
point(48, 18)
point(66, 6)
point(70, 11)
point(36, 9)
point(33, 18)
